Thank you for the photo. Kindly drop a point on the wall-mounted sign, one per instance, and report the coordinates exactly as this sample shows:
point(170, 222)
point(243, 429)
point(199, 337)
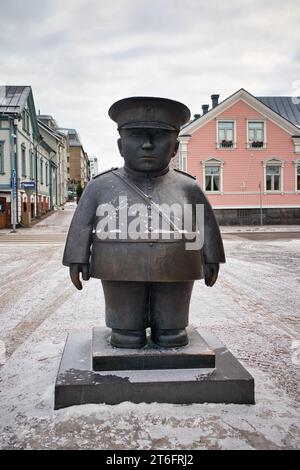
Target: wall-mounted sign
point(27, 184)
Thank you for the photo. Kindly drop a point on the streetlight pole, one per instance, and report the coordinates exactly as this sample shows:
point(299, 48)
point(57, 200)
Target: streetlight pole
point(261, 211)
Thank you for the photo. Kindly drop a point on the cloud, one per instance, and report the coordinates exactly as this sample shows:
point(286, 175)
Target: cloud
point(80, 56)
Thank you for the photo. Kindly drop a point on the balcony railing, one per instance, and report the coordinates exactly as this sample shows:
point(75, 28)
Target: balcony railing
point(257, 144)
point(226, 144)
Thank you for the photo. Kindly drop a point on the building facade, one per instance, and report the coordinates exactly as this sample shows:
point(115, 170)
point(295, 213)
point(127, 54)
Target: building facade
point(246, 157)
point(19, 143)
point(93, 166)
point(78, 162)
point(33, 159)
point(60, 159)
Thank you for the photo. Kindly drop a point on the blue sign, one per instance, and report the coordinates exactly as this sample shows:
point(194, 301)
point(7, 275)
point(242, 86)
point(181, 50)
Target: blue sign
point(28, 184)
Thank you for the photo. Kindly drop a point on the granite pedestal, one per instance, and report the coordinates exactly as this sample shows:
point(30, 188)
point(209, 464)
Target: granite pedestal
point(92, 371)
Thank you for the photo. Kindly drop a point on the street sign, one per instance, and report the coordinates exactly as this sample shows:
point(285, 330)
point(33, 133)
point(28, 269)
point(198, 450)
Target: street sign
point(27, 184)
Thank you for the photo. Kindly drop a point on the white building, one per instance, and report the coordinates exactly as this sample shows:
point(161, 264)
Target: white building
point(93, 166)
point(61, 158)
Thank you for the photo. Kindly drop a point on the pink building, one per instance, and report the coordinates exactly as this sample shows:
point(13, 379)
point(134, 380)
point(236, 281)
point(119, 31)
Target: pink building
point(246, 157)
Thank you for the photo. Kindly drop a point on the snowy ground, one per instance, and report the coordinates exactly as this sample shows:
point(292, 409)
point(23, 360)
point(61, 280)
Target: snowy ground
point(254, 309)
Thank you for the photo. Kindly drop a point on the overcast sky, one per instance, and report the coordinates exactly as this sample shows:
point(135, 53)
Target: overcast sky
point(80, 56)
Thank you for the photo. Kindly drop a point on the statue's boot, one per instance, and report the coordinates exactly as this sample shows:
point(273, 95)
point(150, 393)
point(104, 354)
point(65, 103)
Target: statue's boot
point(128, 338)
point(169, 338)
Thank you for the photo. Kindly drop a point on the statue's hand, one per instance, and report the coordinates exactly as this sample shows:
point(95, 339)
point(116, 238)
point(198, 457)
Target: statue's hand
point(75, 269)
point(211, 273)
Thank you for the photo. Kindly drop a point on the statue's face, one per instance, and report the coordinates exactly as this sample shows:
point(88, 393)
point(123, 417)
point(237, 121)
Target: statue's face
point(147, 150)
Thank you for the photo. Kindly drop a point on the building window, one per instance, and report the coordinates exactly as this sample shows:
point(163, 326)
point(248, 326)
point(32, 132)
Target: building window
point(213, 175)
point(256, 134)
point(23, 159)
point(1, 156)
point(47, 176)
point(298, 176)
point(212, 178)
point(42, 171)
point(31, 164)
point(226, 134)
point(24, 120)
point(273, 177)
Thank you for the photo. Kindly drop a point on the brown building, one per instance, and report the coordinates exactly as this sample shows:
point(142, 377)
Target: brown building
point(78, 162)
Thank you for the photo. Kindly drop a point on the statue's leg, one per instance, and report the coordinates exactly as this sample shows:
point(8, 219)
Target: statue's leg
point(126, 312)
point(169, 311)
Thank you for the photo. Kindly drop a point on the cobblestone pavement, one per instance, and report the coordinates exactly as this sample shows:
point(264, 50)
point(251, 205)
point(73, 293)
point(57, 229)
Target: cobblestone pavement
point(254, 309)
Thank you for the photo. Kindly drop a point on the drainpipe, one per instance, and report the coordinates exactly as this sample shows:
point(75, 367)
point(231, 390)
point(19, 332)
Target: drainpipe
point(36, 183)
point(39, 140)
point(15, 166)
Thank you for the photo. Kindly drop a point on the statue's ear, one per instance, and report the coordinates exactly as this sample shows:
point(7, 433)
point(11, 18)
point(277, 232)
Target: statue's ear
point(119, 141)
point(176, 148)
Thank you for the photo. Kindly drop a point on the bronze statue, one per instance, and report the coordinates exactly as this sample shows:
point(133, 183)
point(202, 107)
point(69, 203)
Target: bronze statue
point(147, 264)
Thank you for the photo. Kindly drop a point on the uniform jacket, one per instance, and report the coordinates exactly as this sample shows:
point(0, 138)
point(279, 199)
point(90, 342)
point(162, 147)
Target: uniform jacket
point(154, 256)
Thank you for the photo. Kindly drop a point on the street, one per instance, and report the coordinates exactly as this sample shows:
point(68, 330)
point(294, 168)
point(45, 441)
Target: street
point(254, 309)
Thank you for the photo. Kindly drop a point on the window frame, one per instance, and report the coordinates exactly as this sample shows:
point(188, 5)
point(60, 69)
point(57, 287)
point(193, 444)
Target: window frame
point(216, 162)
point(2, 144)
point(264, 146)
point(41, 171)
point(234, 141)
point(24, 120)
point(280, 164)
point(23, 160)
point(297, 173)
point(31, 164)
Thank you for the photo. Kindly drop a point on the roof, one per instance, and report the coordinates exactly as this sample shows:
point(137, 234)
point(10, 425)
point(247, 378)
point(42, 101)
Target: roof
point(74, 139)
point(48, 129)
point(13, 98)
point(287, 106)
point(289, 124)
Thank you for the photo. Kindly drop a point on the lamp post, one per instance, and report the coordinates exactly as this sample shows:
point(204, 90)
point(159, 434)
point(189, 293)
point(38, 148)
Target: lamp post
point(260, 198)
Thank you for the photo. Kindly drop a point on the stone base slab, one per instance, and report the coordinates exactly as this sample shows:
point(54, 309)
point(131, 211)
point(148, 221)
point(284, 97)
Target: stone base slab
point(77, 383)
point(196, 354)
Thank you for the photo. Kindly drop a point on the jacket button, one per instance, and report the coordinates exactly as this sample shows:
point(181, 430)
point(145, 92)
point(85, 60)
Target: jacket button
point(150, 244)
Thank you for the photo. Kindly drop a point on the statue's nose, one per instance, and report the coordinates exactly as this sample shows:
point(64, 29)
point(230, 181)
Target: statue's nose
point(147, 143)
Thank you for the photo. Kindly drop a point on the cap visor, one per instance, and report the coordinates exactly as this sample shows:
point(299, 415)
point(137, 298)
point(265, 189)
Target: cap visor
point(147, 124)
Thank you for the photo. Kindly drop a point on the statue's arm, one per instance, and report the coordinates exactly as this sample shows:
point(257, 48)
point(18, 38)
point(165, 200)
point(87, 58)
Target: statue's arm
point(213, 250)
point(78, 244)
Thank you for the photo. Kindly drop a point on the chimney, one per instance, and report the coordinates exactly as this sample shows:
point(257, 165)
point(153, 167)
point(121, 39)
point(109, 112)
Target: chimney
point(196, 116)
point(205, 108)
point(215, 100)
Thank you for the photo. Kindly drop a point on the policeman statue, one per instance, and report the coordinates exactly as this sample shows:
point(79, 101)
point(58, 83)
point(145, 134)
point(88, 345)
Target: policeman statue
point(145, 230)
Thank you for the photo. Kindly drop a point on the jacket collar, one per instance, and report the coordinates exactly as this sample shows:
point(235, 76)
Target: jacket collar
point(142, 175)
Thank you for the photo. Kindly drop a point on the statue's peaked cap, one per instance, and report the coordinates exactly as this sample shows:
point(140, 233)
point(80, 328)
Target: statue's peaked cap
point(147, 111)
